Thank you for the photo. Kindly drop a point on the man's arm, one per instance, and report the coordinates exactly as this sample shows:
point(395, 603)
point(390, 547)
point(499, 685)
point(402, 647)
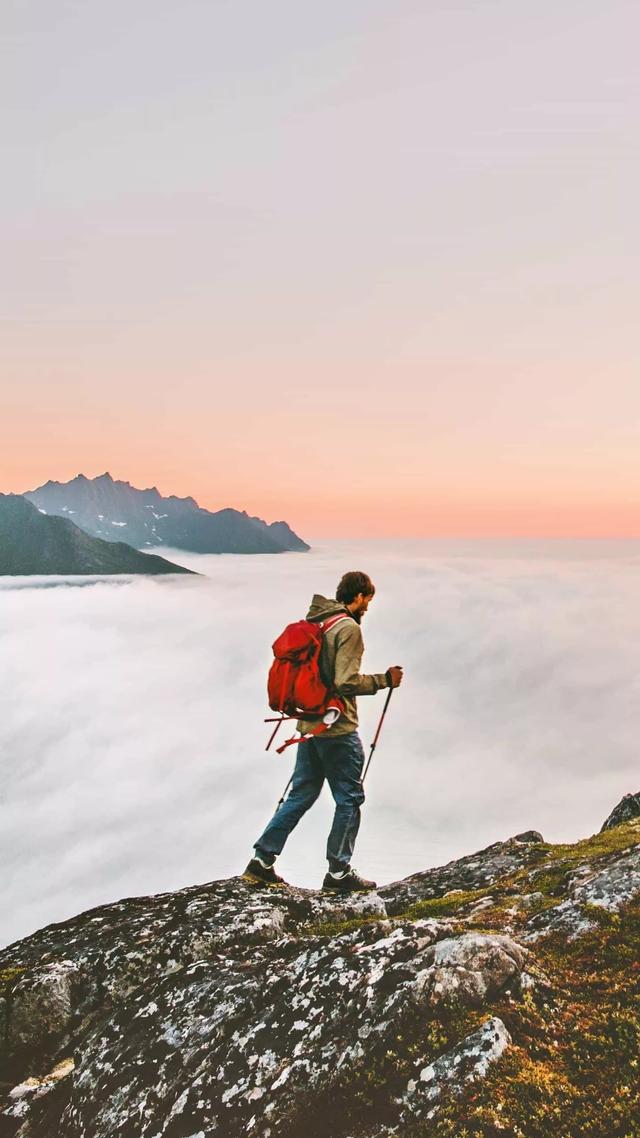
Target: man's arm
point(347, 678)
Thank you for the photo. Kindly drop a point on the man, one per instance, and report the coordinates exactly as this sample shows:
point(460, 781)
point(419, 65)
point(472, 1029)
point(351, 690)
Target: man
point(336, 754)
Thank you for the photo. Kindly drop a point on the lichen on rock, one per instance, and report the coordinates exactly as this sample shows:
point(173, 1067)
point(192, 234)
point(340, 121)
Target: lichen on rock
point(224, 1009)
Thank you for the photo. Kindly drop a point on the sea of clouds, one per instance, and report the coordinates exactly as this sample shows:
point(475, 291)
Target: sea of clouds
point(131, 714)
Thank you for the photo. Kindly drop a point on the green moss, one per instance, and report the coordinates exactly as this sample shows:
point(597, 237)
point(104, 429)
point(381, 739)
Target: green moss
point(338, 928)
point(609, 841)
point(548, 872)
point(539, 904)
point(8, 976)
point(563, 858)
point(573, 1068)
point(549, 875)
point(598, 915)
point(444, 906)
point(553, 882)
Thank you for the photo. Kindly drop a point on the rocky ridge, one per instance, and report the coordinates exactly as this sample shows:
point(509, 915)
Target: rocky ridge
point(114, 510)
point(32, 544)
point(224, 1009)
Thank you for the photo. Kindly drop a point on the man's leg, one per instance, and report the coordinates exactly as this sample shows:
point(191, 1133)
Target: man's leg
point(305, 788)
point(343, 760)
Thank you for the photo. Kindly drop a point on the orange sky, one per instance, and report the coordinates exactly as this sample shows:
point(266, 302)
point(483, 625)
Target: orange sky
point(364, 507)
point(372, 271)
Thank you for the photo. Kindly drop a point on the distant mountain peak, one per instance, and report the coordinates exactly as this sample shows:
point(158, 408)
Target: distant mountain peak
point(103, 506)
point(184, 501)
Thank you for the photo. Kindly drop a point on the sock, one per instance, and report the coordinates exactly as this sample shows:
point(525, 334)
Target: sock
point(263, 863)
point(339, 873)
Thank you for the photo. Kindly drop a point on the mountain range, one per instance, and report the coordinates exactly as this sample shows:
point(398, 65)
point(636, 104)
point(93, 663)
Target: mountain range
point(32, 543)
point(113, 510)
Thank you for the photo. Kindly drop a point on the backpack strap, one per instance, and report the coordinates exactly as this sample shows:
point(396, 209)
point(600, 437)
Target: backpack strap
point(336, 705)
point(325, 625)
point(319, 730)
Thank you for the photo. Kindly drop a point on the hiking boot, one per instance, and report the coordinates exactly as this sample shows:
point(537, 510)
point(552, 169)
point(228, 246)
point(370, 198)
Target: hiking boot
point(347, 882)
point(259, 873)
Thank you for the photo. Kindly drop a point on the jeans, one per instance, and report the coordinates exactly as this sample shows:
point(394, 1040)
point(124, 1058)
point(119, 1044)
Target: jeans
point(340, 760)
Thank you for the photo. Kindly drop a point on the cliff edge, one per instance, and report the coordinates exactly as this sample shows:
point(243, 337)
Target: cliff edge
point(495, 995)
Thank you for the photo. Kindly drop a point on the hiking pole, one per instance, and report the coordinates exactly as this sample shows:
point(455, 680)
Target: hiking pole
point(375, 738)
point(283, 795)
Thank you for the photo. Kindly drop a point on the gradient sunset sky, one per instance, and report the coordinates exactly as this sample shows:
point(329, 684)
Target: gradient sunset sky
point(370, 267)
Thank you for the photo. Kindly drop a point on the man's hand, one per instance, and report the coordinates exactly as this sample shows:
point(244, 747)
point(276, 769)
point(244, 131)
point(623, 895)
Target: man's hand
point(394, 676)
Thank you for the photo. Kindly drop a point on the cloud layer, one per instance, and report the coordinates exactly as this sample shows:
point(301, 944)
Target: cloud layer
point(131, 728)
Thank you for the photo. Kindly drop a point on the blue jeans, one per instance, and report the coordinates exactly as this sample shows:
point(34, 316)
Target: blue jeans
point(340, 760)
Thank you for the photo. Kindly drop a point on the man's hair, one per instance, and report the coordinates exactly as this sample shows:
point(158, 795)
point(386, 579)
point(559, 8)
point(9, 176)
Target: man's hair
point(352, 584)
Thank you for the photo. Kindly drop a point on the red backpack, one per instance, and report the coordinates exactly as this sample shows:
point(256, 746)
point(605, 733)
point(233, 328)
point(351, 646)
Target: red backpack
point(295, 687)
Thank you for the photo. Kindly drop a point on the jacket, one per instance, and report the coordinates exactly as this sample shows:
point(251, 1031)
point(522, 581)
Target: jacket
point(340, 659)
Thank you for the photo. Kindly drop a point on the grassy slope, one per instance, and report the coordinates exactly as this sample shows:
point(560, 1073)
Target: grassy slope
point(573, 1070)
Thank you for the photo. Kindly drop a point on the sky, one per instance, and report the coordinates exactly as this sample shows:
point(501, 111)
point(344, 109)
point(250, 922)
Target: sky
point(131, 715)
point(368, 267)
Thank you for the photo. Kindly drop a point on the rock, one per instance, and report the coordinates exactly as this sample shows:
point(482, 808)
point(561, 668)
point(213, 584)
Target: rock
point(469, 1060)
point(469, 969)
point(29, 1094)
point(627, 808)
point(222, 1009)
point(477, 871)
point(41, 1009)
point(531, 900)
point(249, 1036)
point(608, 887)
point(529, 837)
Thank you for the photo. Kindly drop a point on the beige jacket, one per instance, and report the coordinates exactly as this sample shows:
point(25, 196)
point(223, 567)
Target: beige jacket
point(340, 660)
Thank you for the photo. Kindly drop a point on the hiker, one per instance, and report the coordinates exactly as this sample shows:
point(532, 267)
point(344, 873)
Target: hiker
point(337, 754)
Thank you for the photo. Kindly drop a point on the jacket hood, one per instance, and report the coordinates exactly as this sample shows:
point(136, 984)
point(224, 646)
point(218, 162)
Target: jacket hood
point(322, 607)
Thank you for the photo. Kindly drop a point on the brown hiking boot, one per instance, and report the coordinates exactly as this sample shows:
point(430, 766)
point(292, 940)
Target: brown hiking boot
point(349, 882)
point(260, 874)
